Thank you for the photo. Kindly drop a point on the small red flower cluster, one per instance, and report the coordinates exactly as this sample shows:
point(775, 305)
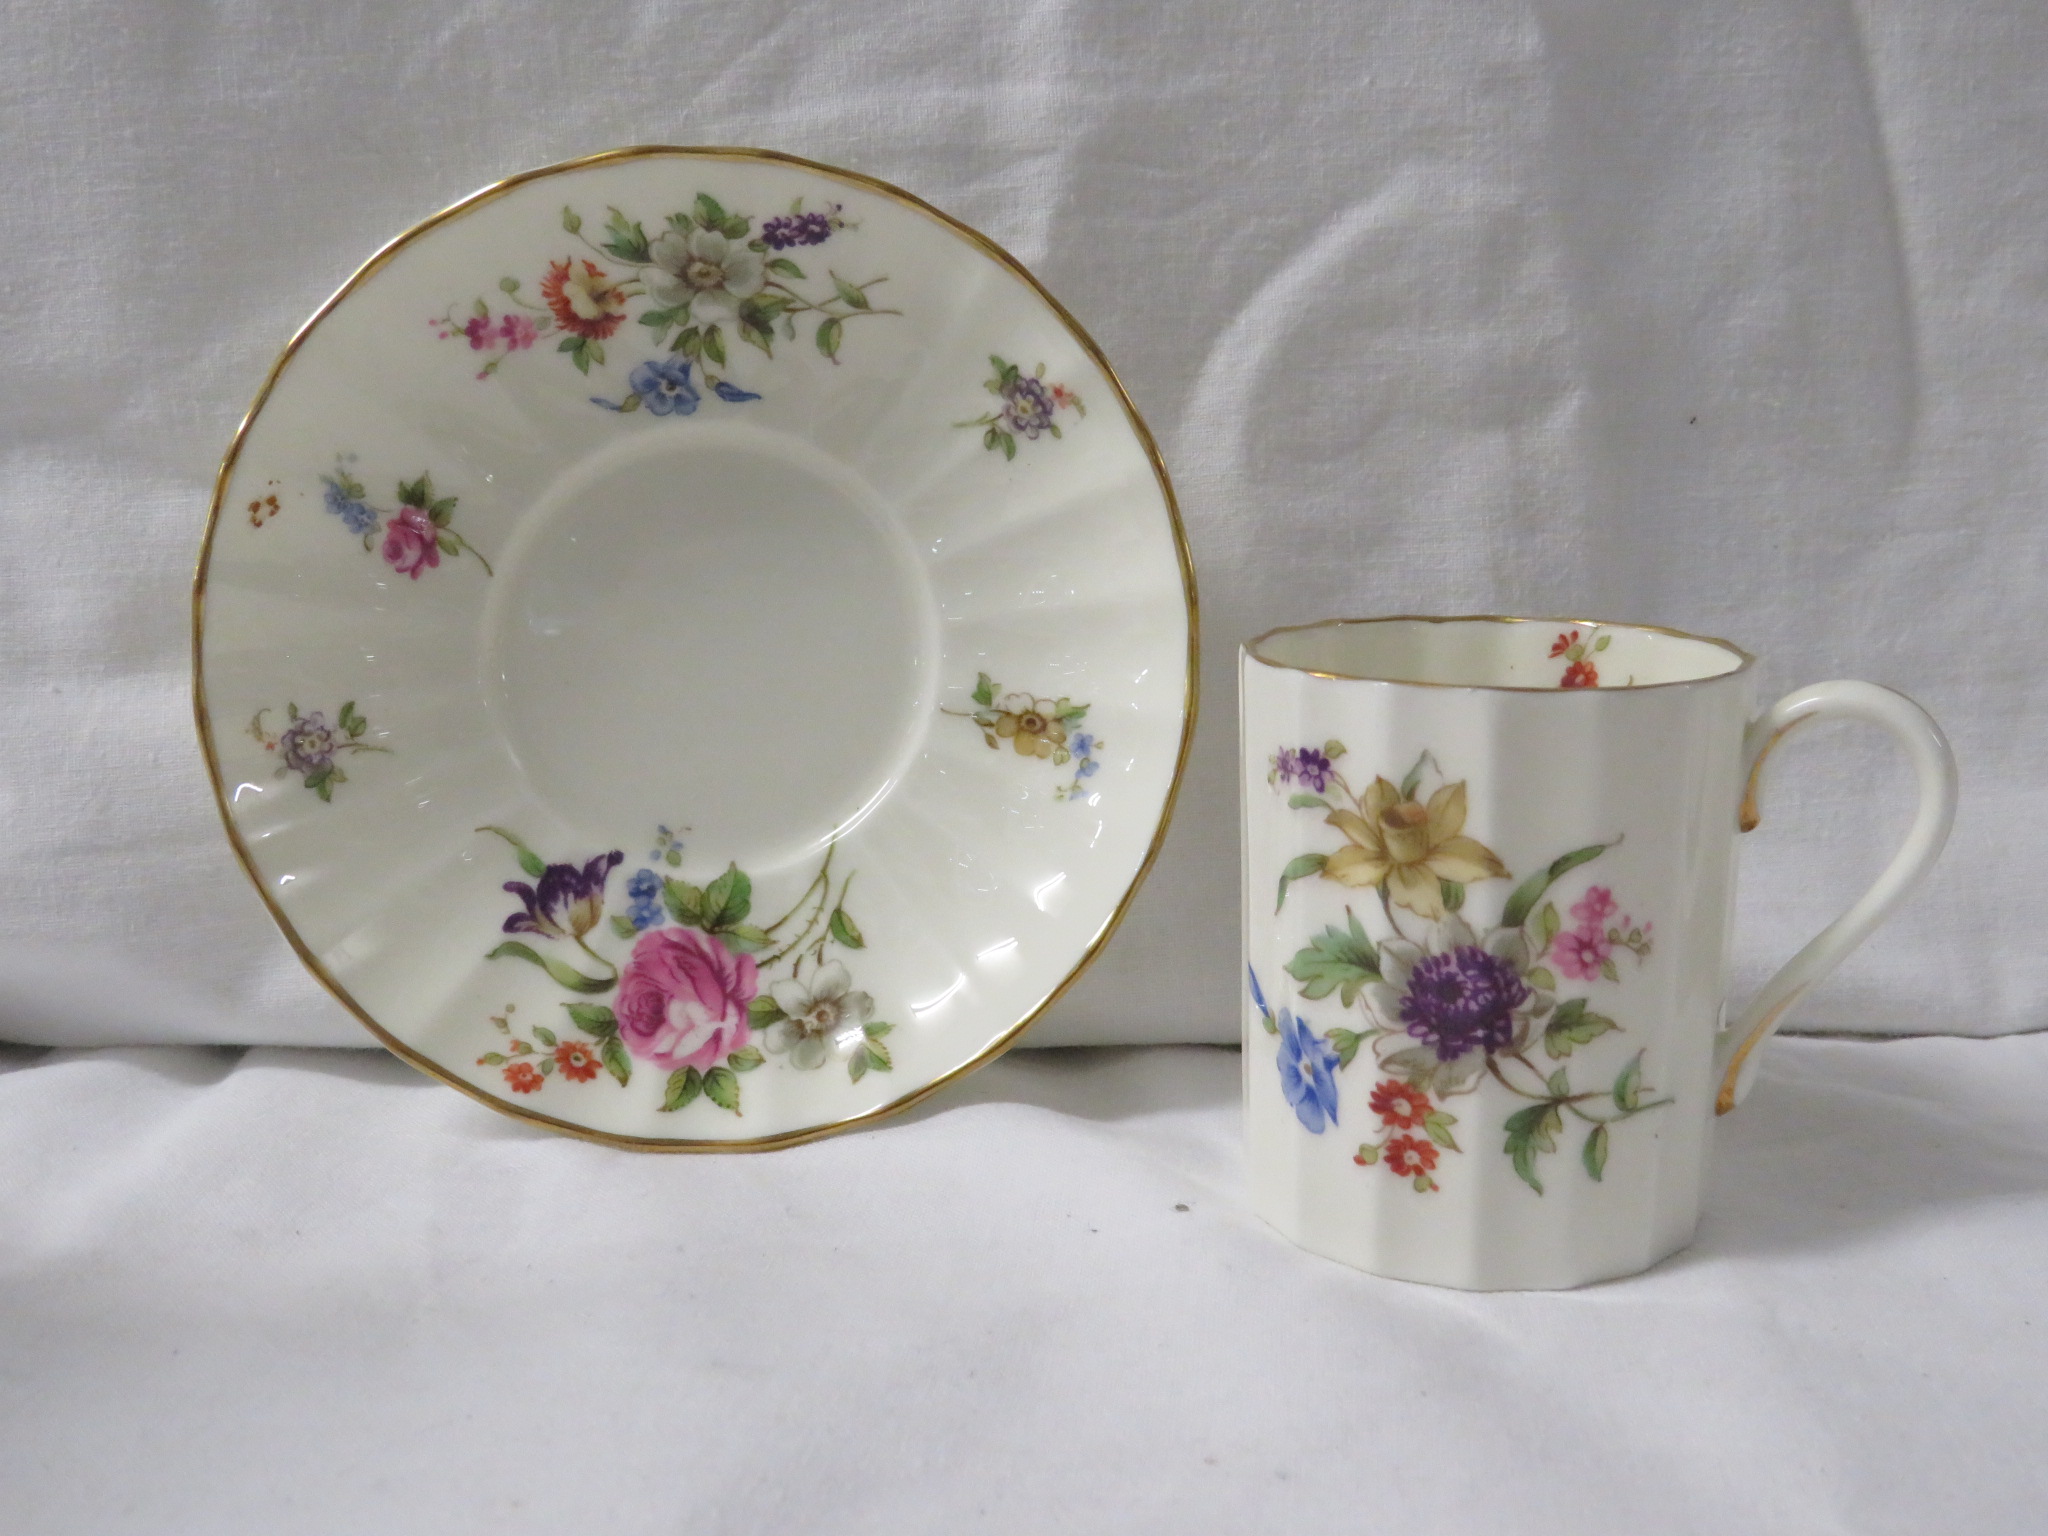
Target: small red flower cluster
point(1401, 1107)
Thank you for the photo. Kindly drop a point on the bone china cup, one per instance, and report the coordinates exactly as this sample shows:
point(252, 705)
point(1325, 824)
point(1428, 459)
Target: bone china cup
point(1488, 889)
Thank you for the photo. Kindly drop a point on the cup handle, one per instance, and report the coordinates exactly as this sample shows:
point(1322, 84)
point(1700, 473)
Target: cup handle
point(1934, 769)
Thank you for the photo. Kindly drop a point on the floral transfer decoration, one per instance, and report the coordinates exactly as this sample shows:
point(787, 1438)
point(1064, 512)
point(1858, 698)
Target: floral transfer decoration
point(1025, 407)
point(1579, 670)
point(1446, 1009)
point(1036, 727)
point(415, 535)
point(705, 281)
point(700, 993)
point(311, 747)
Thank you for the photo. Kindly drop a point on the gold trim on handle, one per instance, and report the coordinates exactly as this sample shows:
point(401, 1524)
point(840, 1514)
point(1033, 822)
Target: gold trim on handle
point(975, 239)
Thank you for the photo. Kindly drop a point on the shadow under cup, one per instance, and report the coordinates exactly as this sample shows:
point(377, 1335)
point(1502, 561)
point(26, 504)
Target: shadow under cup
point(1488, 881)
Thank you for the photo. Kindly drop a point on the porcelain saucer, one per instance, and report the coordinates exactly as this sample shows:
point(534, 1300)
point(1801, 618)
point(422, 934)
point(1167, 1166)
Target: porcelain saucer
point(695, 648)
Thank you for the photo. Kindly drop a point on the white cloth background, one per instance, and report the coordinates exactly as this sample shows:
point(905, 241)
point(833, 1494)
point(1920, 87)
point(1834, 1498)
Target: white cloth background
point(305, 1293)
point(1724, 314)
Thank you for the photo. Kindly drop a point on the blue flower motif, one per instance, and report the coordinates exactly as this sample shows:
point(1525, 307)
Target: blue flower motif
point(1306, 1064)
point(645, 889)
point(355, 513)
point(732, 393)
point(1082, 745)
point(1258, 993)
point(665, 388)
point(1087, 769)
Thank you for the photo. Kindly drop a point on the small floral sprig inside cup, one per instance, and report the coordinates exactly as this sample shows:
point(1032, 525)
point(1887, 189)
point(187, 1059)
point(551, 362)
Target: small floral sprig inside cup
point(310, 747)
point(1027, 409)
point(416, 535)
point(1579, 671)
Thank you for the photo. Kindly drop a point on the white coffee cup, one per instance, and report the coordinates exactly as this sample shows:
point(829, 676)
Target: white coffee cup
point(1488, 887)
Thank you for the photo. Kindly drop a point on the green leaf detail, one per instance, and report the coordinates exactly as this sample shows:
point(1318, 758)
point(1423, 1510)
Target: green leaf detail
point(1453, 894)
point(1559, 1084)
point(1299, 868)
point(984, 690)
point(784, 267)
point(828, 338)
point(1302, 802)
point(857, 1066)
point(848, 294)
point(546, 1036)
point(722, 1088)
point(710, 214)
point(684, 902)
point(745, 1060)
point(1336, 959)
point(876, 1030)
point(1345, 1043)
point(1439, 1124)
point(564, 975)
point(1608, 971)
point(745, 939)
point(622, 928)
point(728, 899)
point(845, 930)
point(571, 221)
point(616, 1062)
point(1547, 925)
point(1541, 977)
point(1529, 1132)
point(1009, 444)
point(1333, 749)
point(1603, 642)
point(763, 1011)
point(1595, 1154)
point(1531, 890)
point(684, 1084)
point(1412, 780)
point(1573, 1026)
point(1367, 1154)
point(529, 861)
point(448, 546)
point(490, 1059)
point(1628, 1088)
point(592, 1019)
point(624, 238)
point(714, 345)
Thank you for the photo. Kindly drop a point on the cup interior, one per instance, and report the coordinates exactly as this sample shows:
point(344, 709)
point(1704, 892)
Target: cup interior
point(1541, 654)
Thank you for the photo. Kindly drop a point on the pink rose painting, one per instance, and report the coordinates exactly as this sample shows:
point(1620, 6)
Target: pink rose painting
point(410, 543)
point(682, 999)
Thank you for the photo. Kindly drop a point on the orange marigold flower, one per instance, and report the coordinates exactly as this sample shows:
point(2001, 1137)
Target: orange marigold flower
point(577, 1060)
point(524, 1077)
point(585, 303)
point(1580, 674)
point(1409, 1155)
point(1398, 1104)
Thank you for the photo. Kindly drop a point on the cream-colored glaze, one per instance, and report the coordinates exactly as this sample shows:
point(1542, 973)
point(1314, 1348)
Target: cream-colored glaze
point(1661, 768)
point(758, 624)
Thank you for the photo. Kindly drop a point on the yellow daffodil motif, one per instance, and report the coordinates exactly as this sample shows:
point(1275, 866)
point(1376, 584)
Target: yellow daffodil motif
point(1409, 847)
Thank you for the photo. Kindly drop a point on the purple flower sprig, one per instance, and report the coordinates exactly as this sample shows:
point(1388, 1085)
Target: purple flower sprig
point(1309, 767)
